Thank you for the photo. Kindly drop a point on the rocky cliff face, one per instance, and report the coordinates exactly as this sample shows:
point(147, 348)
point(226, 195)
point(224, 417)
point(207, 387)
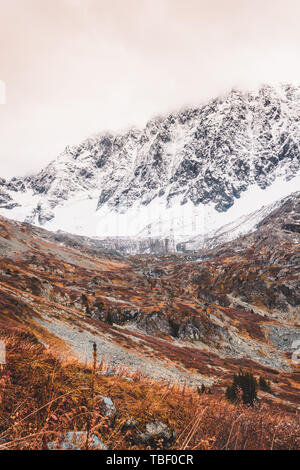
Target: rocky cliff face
point(205, 157)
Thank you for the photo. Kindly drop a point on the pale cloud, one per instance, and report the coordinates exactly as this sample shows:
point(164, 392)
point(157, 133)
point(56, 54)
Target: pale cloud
point(2, 92)
point(76, 67)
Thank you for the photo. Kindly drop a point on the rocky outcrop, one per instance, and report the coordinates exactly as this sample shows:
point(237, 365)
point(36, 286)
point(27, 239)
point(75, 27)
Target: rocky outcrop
point(78, 440)
point(106, 405)
point(156, 322)
point(156, 432)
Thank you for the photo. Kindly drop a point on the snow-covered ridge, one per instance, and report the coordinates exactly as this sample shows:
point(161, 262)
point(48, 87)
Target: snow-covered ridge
point(181, 176)
point(231, 231)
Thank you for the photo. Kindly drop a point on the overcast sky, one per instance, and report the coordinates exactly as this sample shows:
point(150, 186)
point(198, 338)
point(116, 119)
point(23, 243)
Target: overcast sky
point(75, 67)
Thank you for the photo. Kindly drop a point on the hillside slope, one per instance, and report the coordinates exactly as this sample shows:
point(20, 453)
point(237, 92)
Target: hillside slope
point(186, 319)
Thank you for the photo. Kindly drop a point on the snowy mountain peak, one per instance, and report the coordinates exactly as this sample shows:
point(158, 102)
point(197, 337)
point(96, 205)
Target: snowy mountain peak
point(176, 177)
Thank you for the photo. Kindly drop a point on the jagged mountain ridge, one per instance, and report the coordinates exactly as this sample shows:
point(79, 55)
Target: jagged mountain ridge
point(198, 158)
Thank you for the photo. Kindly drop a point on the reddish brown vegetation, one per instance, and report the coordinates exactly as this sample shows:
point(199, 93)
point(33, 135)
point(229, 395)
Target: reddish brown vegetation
point(41, 397)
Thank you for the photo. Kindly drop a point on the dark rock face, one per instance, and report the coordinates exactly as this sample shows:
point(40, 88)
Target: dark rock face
point(156, 322)
point(4, 197)
point(104, 151)
point(10, 206)
point(42, 215)
point(119, 316)
point(6, 201)
point(211, 297)
point(189, 331)
point(291, 292)
point(292, 228)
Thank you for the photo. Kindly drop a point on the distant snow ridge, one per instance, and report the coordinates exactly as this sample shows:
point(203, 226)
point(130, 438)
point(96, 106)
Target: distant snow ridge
point(231, 231)
point(183, 175)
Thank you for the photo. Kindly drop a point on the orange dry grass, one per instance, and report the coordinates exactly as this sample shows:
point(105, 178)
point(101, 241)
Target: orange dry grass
point(42, 397)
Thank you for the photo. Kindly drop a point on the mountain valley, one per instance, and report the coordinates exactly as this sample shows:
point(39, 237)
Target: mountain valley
point(186, 318)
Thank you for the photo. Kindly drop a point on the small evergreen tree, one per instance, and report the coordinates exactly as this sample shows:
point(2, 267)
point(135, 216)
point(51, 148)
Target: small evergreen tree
point(201, 389)
point(231, 394)
point(244, 387)
point(264, 385)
